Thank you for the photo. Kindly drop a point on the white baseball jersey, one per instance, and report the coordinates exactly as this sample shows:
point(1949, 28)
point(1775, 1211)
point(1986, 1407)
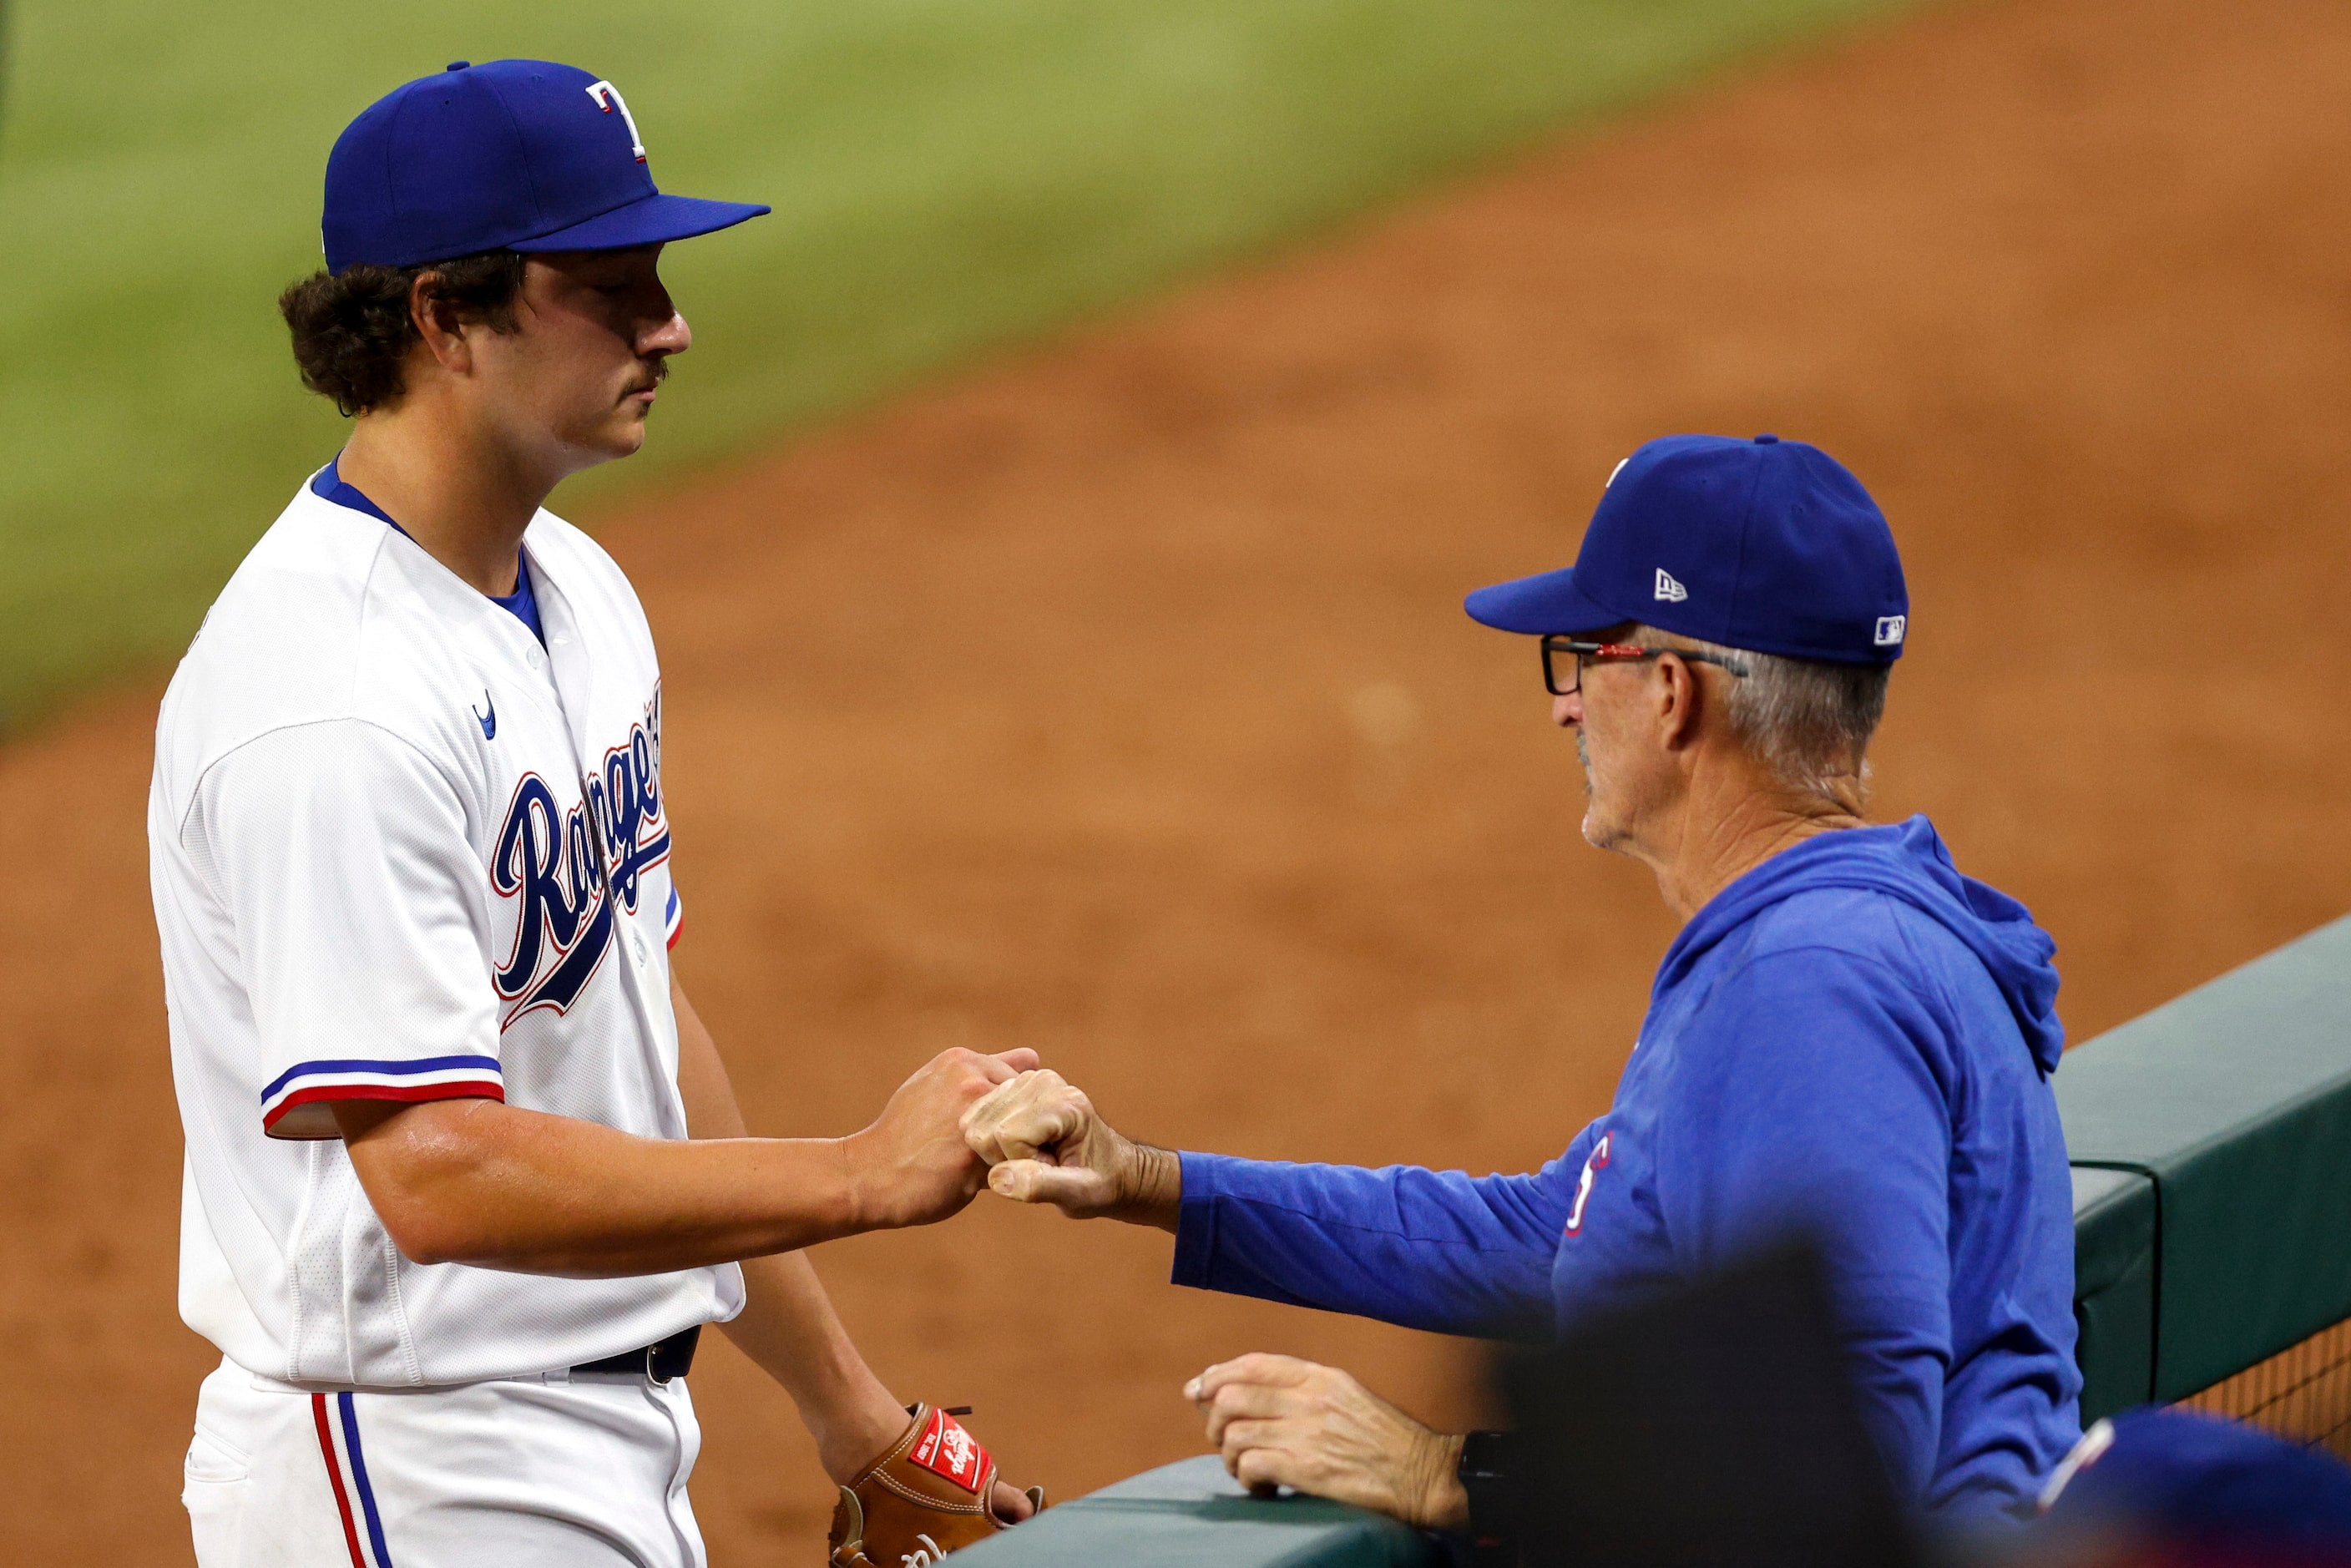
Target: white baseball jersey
point(400, 850)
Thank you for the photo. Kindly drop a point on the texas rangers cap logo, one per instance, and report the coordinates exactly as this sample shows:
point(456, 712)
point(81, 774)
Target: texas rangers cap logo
point(607, 98)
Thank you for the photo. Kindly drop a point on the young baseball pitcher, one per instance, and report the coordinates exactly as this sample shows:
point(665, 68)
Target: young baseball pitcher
point(465, 1174)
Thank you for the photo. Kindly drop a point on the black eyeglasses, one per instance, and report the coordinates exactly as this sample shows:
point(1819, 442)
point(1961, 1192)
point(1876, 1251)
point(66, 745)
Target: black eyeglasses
point(1564, 657)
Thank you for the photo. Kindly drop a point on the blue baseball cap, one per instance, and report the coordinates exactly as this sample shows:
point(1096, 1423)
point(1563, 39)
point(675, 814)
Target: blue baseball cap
point(2191, 1480)
point(515, 155)
point(1766, 545)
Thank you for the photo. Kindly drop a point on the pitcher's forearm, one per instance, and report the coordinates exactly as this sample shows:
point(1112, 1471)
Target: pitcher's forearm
point(474, 1181)
point(790, 1330)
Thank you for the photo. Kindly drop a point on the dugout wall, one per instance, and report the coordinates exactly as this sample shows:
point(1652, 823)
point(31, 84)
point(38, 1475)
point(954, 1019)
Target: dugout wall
point(2211, 1145)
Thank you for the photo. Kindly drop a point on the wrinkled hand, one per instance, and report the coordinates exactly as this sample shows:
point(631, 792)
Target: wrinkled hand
point(1048, 1145)
point(912, 1166)
point(1279, 1421)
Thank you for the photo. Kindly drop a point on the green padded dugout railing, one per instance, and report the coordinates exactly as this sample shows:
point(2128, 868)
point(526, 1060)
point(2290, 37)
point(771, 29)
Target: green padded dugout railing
point(2233, 1106)
point(2114, 1288)
point(1193, 1515)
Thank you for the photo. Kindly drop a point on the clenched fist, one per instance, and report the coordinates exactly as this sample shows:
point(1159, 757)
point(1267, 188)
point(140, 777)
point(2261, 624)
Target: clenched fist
point(911, 1166)
point(1045, 1143)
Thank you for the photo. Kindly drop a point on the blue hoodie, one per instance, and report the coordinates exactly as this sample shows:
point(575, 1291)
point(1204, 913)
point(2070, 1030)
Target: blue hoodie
point(1852, 1040)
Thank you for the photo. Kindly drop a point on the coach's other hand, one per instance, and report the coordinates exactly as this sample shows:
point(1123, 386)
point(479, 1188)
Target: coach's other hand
point(912, 1166)
point(1282, 1422)
point(1046, 1145)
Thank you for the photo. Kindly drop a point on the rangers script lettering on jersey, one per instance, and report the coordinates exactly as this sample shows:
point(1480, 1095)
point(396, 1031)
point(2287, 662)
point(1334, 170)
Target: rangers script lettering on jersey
point(403, 852)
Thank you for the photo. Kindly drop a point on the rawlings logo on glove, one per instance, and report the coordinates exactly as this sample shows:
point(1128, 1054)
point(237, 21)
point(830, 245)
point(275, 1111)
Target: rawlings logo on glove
point(945, 1448)
point(927, 1497)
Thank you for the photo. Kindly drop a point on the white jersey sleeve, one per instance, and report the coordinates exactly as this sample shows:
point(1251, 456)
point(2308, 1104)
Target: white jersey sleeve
point(342, 855)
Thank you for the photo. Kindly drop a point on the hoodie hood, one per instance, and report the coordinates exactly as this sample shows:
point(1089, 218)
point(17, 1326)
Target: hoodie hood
point(1906, 860)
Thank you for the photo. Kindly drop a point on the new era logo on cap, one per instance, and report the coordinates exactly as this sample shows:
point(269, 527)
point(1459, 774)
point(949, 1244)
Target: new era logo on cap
point(1670, 590)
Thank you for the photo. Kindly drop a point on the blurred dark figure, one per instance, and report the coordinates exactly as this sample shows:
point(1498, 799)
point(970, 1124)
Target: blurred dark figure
point(2169, 1489)
point(1714, 1427)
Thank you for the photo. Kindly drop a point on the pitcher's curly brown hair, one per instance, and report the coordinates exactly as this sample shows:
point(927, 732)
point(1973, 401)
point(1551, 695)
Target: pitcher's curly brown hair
point(352, 330)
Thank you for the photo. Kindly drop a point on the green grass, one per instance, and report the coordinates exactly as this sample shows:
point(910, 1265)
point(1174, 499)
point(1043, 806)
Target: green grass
point(946, 175)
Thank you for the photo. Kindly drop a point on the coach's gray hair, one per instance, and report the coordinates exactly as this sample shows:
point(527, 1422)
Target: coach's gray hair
point(1807, 719)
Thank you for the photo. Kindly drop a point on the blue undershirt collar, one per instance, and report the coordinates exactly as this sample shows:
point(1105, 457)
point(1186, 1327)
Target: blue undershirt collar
point(329, 485)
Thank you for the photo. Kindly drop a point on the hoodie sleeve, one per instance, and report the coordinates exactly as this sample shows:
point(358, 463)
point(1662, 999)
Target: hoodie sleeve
point(1810, 1095)
point(1427, 1250)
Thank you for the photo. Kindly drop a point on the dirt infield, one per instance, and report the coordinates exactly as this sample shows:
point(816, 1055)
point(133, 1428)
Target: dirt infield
point(1117, 700)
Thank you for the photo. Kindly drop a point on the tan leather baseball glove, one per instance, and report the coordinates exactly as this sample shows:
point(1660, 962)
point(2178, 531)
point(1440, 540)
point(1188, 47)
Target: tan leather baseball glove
point(923, 1498)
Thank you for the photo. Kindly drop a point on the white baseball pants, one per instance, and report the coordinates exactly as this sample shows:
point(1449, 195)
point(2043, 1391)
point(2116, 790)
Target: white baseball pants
point(558, 1472)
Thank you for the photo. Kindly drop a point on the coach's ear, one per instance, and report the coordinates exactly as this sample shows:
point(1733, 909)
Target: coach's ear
point(1675, 700)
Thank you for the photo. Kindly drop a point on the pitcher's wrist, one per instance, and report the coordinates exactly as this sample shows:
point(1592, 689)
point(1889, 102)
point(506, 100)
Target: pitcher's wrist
point(866, 1191)
point(859, 1422)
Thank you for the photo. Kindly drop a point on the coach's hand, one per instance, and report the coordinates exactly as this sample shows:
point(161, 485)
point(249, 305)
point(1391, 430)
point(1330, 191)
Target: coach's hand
point(912, 1166)
point(1048, 1145)
point(1282, 1422)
